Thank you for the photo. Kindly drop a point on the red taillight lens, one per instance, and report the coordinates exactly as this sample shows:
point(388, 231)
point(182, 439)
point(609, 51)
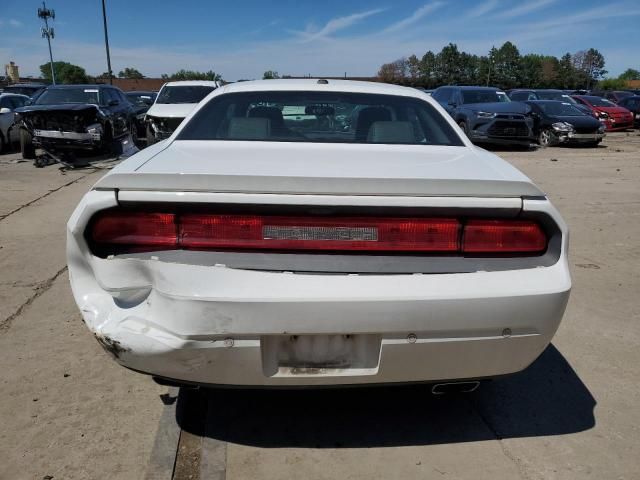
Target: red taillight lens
point(135, 228)
point(307, 233)
point(503, 236)
point(140, 231)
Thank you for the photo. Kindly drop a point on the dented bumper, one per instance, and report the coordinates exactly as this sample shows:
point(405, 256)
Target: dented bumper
point(219, 325)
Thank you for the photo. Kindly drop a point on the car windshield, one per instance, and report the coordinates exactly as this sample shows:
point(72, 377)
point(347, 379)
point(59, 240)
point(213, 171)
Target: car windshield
point(327, 117)
point(558, 96)
point(560, 109)
point(484, 96)
point(184, 94)
point(141, 98)
point(55, 96)
point(600, 102)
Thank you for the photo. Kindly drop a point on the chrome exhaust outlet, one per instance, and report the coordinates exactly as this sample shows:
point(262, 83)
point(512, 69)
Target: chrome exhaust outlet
point(455, 387)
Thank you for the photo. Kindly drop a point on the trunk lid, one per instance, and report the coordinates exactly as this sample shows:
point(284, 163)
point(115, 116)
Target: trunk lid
point(321, 169)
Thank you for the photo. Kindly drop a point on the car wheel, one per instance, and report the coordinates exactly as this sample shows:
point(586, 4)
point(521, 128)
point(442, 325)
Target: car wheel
point(1, 143)
point(134, 133)
point(463, 126)
point(545, 137)
point(151, 139)
point(26, 145)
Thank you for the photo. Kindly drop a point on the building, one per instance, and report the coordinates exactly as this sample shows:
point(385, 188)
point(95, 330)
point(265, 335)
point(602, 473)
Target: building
point(11, 70)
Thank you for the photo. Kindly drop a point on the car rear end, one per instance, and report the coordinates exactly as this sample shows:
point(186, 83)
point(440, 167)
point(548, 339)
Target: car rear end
point(287, 267)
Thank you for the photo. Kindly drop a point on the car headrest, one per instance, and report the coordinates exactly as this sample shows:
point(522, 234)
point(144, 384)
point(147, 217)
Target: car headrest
point(272, 113)
point(241, 128)
point(367, 117)
point(391, 132)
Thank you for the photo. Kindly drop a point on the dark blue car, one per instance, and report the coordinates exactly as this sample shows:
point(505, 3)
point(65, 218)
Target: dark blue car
point(487, 115)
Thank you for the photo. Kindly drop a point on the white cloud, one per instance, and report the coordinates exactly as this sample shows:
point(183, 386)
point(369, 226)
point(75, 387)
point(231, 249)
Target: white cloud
point(526, 8)
point(415, 17)
point(482, 9)
point(337, 24)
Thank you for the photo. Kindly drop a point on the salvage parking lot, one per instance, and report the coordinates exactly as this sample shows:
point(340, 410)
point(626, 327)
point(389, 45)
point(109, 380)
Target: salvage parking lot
point(69, 411)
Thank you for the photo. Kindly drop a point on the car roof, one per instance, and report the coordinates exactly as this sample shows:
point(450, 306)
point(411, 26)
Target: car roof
point(27, 84)
point(186, 83)
point(140, 92)
point(471, 87)
point(320, 85)
point(80, 85)
point(8, 94)
point(547, 101)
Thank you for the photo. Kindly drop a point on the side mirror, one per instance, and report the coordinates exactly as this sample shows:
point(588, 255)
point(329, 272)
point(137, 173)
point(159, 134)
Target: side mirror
point(5, 110)
point(113, 103)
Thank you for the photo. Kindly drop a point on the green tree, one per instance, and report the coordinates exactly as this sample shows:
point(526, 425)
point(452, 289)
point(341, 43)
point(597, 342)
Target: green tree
point(448, 65)
point(66, 73)
point(130, 72)
point(567, 74)
point(589, 64)
point(612, 84)
point(192, 75)
point(630, 74)
point(428, 69)
point(531, 68)
point(270, 75)
point(506, 66)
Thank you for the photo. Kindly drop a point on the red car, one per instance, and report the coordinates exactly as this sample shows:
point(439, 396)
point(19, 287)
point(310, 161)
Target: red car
point(612, 116)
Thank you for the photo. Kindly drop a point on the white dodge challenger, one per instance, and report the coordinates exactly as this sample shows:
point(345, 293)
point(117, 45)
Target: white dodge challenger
point(319, 232)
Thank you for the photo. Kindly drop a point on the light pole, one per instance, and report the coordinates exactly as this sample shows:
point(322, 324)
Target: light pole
point(106, 42)
point(47, 32)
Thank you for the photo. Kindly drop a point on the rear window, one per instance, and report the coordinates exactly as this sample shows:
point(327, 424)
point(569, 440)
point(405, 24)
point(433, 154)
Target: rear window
point(184, 94)
point(483, 96)
point(323, 117)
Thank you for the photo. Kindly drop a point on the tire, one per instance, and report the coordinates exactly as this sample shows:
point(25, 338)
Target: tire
point(2, 143)
point(151, 139)
point(133, 129)
point(545, 138)
point(26, 145)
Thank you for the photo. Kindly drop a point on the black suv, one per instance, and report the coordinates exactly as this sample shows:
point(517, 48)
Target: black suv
point(487, 115)
point(71, 117)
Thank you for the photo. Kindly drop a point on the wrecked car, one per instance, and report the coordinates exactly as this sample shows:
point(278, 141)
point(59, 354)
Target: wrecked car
point(257, 248)
point(8, 131)
point(75, 117)
point(487, 115)
point(174, 102)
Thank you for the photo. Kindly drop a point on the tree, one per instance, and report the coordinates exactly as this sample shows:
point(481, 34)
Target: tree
point(192, 75)
point(428, 68)
point(270, 75)
point(590, 66)
point(630, 74)
point(567, 75)
point(66, 73)
point(612, 84)
point(129, 72)
point(531, 68)
point(413, 69)
point(394, 72)
point(506, 66)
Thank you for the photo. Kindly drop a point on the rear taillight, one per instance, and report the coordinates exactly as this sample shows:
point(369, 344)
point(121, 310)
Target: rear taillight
point(121, 231)
point(503, 236)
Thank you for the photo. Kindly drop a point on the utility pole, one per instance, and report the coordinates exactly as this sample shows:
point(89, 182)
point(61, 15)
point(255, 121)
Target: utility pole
point(47, 32)
point(106, 42)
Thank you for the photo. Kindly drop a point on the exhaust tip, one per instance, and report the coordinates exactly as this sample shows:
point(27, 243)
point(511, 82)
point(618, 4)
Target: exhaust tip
point(455, 387)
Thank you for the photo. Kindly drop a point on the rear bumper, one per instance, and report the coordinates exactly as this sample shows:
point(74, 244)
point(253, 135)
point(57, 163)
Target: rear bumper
point(219, 325)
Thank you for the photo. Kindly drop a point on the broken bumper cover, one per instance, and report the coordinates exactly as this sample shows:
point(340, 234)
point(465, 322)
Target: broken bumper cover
point(91, 138)
point(580, 137)
point(218, 325)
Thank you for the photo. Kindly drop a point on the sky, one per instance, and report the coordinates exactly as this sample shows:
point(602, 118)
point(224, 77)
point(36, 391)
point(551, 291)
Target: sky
point(242, 39)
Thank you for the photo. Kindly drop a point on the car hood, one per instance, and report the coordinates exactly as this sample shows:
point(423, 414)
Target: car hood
point(66, 107)
point(611, 109)
point(580, 122)
point(499, 107)
point(171, 110)
point(321, 169)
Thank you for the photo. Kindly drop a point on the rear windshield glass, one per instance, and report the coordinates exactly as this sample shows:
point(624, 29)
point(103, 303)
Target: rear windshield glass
point(559, 96)
point(55, 96)
point(325, 117)
point(483, 96)
point(600, 102)
point(184, 94)
point(560, 109)
point(141, 98)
